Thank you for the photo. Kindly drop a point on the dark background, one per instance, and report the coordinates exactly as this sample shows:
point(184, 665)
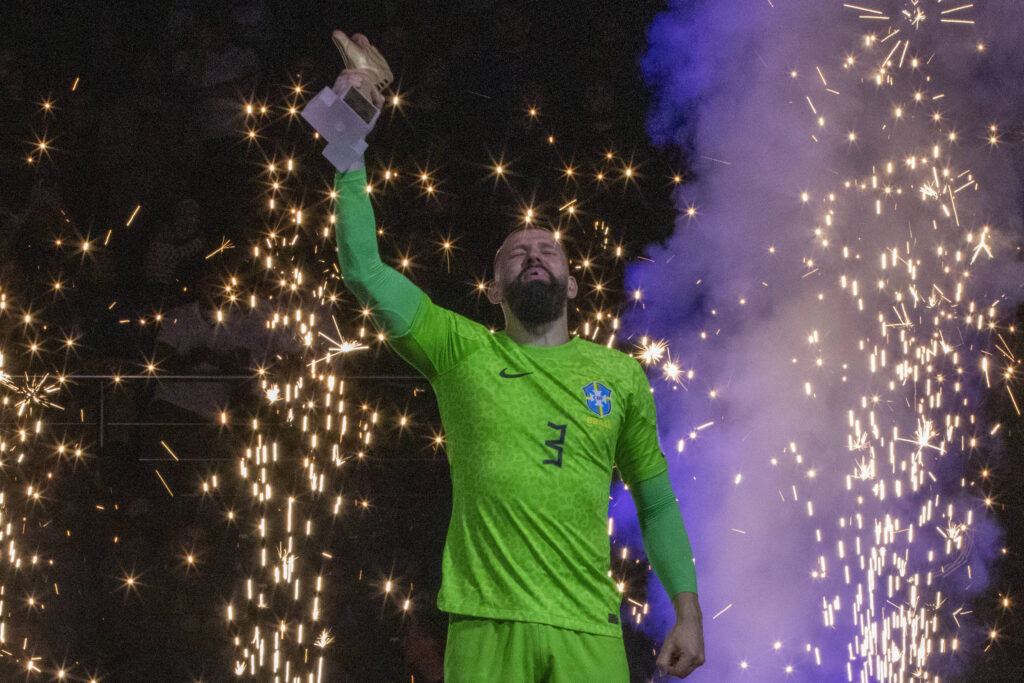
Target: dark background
point(138, 131)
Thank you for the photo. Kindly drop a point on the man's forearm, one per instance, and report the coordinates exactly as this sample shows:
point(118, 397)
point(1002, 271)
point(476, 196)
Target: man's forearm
point(391, 296)
point(355, 226)
point(665, 539)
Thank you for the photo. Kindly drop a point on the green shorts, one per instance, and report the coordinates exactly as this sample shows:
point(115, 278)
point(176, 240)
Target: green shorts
point(484, 650)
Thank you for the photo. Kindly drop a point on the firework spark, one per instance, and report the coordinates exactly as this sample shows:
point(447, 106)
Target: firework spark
point(863, 355)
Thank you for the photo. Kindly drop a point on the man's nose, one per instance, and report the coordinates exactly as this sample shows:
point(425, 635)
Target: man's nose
point(536, 252)
point(533, 259)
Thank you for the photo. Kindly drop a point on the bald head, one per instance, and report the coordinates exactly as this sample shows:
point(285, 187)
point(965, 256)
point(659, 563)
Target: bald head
point(538, 236)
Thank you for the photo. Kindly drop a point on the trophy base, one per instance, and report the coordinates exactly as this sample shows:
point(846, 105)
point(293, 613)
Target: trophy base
point(343, 118)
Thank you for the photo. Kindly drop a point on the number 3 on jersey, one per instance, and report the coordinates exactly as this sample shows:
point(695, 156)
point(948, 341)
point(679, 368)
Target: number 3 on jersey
point(557, 444)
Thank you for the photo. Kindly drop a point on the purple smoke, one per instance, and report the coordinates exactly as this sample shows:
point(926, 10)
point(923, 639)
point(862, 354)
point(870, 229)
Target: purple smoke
point(753, 300)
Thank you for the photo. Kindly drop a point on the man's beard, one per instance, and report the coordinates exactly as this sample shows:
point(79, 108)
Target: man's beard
point(536, 302)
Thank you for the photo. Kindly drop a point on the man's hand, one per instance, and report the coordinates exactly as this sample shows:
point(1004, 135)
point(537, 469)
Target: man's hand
point(683, 649)
point(364, 79)
point(360, 80)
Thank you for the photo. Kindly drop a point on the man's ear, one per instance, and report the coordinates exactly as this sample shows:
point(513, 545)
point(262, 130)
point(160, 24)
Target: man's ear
point(494, 293)
point(572, 289)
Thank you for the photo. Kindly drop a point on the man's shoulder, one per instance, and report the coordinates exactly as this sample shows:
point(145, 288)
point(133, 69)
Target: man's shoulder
point(432, 319)
point(615, 359)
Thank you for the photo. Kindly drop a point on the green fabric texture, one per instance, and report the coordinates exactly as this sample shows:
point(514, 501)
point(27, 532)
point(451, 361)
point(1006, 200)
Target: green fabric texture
point(664, 534)
point(391, 296)
point(532, 435)
point(522, 652)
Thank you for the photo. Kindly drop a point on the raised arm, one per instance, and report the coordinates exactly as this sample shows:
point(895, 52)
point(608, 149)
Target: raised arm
point(392, 298)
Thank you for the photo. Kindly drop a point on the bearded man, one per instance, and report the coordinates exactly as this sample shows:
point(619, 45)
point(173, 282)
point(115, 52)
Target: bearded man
point(535, 420)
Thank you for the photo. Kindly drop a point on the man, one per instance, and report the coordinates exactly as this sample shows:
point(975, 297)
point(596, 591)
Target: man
point(534, 422)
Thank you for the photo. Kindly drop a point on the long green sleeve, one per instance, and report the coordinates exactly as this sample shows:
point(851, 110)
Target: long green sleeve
point(665, 539)
point(392, 297)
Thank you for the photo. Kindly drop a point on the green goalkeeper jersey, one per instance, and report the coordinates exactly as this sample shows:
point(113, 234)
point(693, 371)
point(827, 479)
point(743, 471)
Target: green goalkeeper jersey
point(532, 434)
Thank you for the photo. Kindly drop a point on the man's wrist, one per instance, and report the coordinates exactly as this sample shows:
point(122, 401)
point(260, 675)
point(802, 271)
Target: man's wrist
point(354, 177)
point(686, 605)
point(351, 165)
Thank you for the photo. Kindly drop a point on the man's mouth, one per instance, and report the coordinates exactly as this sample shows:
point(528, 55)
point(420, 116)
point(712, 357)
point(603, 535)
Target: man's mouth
point(533, 273)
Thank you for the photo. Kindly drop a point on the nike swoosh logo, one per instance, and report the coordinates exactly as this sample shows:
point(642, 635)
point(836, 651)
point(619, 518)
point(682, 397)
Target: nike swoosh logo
point(504, 373)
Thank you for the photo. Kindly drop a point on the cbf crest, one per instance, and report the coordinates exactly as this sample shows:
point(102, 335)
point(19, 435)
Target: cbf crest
point(599, 398)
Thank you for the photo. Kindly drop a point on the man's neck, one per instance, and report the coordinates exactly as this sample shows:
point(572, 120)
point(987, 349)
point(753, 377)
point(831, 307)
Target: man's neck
point(554, 333)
